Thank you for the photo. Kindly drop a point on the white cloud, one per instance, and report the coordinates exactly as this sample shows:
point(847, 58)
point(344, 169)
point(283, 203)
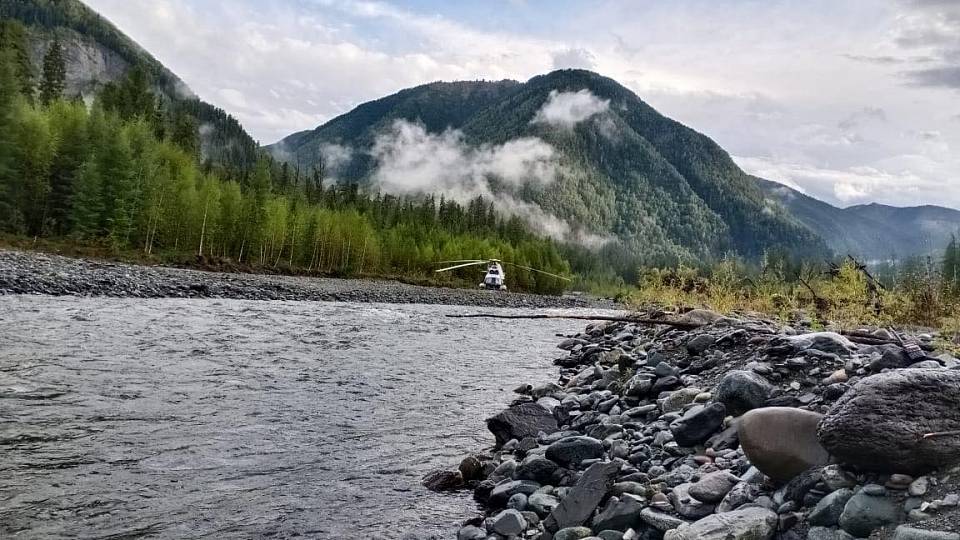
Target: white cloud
point(335, 156)
point(289, 65)
point(567, 109)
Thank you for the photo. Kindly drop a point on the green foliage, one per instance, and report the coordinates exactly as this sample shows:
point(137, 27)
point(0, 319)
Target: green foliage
point(54, 78)
point(13, 38)
point(103, 177)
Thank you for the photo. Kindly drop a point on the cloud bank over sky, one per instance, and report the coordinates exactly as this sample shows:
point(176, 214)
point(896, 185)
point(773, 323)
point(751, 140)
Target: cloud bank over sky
point(851, 101)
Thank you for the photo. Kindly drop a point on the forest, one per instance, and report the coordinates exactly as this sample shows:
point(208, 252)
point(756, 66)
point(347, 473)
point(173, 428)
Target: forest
point(126, 174)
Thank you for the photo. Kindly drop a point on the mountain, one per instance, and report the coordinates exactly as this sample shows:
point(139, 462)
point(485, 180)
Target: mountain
point(665, 191)
point(97, 53)
point(872, 231)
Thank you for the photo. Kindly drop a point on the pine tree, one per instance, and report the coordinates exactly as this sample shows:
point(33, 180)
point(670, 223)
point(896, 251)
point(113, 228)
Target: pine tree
point(54, 74)
point(8, 100)
point(951, 266)
point(13, 38)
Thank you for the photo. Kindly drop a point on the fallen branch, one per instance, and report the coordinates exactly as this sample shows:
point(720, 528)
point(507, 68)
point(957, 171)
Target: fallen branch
point(621, 318)
point(941, 434)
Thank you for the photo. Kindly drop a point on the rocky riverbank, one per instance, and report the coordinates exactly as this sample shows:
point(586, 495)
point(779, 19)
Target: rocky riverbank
point(37, 273)
point(725, 429)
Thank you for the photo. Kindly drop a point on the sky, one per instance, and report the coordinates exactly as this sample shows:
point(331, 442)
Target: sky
point(851, 102)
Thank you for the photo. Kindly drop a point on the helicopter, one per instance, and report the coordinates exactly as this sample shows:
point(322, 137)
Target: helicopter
point(495, 278)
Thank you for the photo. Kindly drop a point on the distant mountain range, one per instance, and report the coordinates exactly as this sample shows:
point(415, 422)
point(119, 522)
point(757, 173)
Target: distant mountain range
point(617, 168)
point(661, 187)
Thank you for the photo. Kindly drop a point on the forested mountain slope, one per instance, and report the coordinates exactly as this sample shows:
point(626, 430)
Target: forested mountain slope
point(97, 54)
point(665, 191)
point(873, 231)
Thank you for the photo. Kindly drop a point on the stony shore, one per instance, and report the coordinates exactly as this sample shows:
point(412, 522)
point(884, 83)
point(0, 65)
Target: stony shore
point(726, 429)
point(37, 273)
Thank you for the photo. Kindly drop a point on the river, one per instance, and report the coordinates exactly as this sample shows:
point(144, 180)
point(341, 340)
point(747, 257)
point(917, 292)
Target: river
point(177, 418)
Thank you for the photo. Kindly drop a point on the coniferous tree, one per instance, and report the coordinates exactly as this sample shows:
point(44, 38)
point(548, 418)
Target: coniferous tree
point(951, 266)
point(13, 38)
point(54, 78)
point(8, 100)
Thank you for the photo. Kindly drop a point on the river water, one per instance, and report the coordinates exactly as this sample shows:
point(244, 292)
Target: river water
point(227, 418)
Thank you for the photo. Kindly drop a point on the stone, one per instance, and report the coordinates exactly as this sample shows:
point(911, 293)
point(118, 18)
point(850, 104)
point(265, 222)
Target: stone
point(536, 468)
point(583, 497)
point(502, 492)
point(443, 481)
point(892, 357)
point(610, 535)
point(826, 533)
point(713, 487)
point(738, 496)
point(542, 503)
point(700, 317)
point(619, 514)
point(519, 421)
point(471, 532)
point(827, 512)
point(919, 487)
point(573, 533)
point(687, 506)
point(879, 424)
point(573, 450)
point(509, 522)
point(661, 521)
point(678, 399)
point(741, 391)
point(698, 424)
point(865, 513)
point(781, 441)
point(751, 523)
point(471, 469)
point(518, 502)
point(903, 532)
point(828, 342)
point(700, 343)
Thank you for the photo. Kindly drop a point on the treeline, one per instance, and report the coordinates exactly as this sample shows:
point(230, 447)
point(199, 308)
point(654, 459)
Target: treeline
point(125, 175)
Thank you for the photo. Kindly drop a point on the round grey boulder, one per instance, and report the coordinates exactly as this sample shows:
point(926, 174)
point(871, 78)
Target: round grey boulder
point(573, 450)
point(781, 441)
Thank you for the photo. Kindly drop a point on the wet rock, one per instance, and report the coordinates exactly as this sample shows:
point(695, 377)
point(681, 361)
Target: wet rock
point(502, 492)
point(738, 496)
point(583, 498)
point(698, 424)
point(619, 514)
point(471, 469)
point(781, 441)
point(713, 487)
point(519, 421)
point(542, 503)
point(536, 468)
point(827, 512)
point(865, 513)
point(880, 423)
point(443, 481)
point(509, 522)
point(471, 532)
point(744, 524)
point(573, 450)
point(518, 502)
point(573, 533)
point(661, 521)
point(826, 533)
point(687, 506)
point(741, 391)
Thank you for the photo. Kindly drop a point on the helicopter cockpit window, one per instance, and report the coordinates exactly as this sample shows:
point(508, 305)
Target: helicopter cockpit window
point(494, 271)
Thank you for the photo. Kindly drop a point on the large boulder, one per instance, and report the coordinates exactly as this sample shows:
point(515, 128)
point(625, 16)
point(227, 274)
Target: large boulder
point(698, 424)
point(829, 342)
point(864, 513)
point(573, 450)
point(536, 468)
point(880, 423)
point(583, 497)
point(745, 524)
point(781, 441)
point(741, 391)
point(519, 421)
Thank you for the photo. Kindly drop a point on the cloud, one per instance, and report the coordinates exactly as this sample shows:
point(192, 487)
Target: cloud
point(865, 114)
point(567, 109)
point(933, 27)
point(335, 156)
point(574, 59)
point(410, 160)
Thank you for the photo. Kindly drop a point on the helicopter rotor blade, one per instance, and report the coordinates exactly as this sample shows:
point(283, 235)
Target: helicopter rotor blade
point(462, 266)
point(538, 271)
point(460, 261)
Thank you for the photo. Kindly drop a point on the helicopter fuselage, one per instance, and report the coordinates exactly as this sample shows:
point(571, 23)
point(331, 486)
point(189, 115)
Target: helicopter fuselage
point(495, 278)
